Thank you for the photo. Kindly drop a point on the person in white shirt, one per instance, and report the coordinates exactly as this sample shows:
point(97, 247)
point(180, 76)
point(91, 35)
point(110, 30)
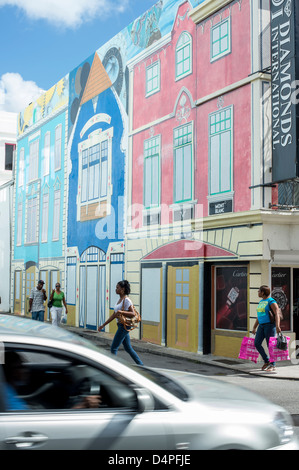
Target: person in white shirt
point(122, 336)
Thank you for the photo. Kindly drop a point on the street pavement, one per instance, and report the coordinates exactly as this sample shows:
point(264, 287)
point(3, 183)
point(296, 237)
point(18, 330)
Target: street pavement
point(284, 370)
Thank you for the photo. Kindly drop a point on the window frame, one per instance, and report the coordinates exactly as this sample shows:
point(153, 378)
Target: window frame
point(175, 149)
point(220, 132)
point(150, 67)
point(58, 148)
point(33, 160)
point(46, 153)
point(157, 154)
point(180, 48)
point(226, 51)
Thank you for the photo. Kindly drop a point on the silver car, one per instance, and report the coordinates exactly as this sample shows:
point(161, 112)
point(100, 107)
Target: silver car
point(58, 391)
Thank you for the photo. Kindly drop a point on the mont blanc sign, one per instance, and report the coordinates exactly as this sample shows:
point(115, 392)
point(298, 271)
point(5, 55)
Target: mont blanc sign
point(285, 97)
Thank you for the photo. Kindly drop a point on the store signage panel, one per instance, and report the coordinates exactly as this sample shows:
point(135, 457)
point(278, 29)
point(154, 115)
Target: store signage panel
point(285, 98)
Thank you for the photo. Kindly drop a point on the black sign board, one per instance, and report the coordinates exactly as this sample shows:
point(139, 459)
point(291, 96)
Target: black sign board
point(221, 207)
point(285, 97)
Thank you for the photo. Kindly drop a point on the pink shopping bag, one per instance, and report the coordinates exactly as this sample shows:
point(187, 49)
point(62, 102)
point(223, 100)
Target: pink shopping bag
point(248, 350)
point(277, 354)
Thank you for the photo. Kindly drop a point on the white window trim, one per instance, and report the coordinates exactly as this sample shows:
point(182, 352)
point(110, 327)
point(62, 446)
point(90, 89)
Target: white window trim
point(228, 51)
point(189, 72)
point(225, 195)
point(45, 218)
point(58, 167)
point(96, 137)
point(156, 90)
point(46, 154)
point(21, 172)
point(33, 164)
point(56, 215)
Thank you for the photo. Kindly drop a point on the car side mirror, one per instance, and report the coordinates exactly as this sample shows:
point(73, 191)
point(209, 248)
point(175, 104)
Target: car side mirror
point(145, 400)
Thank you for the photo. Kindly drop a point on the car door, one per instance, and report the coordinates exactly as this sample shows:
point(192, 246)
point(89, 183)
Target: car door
point(50, 425)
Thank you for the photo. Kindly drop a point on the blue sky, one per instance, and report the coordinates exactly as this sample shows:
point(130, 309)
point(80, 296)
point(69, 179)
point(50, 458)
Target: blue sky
point(43, 40)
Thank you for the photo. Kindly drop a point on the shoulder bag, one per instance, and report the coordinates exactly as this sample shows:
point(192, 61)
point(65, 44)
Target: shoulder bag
point(129, 323)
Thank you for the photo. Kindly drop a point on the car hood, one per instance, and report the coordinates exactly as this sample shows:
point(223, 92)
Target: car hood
point(207, 390)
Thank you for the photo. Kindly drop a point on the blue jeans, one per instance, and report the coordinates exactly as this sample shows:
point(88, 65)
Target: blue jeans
point(38, 315)
point(122, 336)
point(264, 331)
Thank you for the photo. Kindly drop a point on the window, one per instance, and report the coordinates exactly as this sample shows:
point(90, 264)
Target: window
point(54, 380)
point(56, 215)
point(153, 78)
point(94, 182)
point(71, 280)
point(220, 125)
point(57, 148)
point(220, 39)
point(9, 151)
point(32, 205)
point(183, 56)
point(183, 166)
point(21, 171)
point(152, 172)
point(47, 154)
point(33, 160)
point(20, 224)
point(45, 217)
point(116, 275)
point(94, 172)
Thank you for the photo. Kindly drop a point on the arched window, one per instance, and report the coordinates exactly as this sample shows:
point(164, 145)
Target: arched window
point(183, 56)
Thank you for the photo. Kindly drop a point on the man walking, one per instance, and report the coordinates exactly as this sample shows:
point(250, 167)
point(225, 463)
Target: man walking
point(36, 302)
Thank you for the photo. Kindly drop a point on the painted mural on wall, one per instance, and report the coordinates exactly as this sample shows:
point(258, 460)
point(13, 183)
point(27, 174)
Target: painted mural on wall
point(96, 190)
point(38, 251)
point(114, 155)
point(49, 103)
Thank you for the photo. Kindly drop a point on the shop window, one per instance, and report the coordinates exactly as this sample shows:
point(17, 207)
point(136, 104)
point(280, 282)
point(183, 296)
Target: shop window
point(231, 297)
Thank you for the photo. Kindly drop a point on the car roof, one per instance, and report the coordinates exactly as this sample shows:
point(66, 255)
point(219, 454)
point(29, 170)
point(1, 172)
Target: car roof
point(16, 325)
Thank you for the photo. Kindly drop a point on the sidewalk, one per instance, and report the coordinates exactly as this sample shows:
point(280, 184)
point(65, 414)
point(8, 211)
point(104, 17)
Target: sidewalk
point(284, 370)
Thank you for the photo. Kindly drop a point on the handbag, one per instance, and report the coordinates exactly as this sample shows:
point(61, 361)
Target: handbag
point(130, 323)
point(277, 354)
point(282, 342)
point(248, 350)
point(50, 304)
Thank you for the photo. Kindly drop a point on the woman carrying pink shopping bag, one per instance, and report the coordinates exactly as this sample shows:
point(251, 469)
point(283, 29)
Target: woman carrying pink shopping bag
point(264, 328)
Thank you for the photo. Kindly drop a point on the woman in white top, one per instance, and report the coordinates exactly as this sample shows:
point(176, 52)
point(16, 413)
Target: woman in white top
point(122, 336)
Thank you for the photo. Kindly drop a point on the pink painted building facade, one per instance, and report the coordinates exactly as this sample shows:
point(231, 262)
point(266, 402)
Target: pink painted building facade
point(198, 161)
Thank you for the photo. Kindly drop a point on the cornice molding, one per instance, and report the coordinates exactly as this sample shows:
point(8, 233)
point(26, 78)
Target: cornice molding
point(206, 9)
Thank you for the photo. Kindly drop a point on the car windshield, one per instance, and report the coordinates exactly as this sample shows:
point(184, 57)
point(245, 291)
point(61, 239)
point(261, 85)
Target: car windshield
point(165, 382)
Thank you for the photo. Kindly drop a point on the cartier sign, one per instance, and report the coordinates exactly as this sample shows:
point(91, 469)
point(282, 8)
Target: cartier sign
point(284, 98)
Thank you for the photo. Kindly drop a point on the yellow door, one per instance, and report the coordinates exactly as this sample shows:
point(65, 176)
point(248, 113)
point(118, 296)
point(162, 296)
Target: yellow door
point(18, 292)
point(182, 307)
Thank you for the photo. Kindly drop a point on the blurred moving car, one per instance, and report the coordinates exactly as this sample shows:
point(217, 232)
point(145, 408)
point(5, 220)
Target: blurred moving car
point(139, 407)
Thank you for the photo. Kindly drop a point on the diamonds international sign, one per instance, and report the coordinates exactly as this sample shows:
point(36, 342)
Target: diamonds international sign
point(285, 98)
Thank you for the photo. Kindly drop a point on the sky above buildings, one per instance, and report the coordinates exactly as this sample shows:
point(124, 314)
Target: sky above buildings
point(42, 40)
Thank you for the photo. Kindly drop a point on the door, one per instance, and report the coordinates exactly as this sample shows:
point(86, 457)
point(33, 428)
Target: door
point(30, 284)
point(18, 292)
point(182, 307)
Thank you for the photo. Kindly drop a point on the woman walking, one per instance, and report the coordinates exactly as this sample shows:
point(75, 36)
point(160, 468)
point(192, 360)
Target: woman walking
point(122, 336)
point(263, 327)
point(57, 297)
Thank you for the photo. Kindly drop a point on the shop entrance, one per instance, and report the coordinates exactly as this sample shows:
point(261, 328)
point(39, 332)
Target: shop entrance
point(296, 302)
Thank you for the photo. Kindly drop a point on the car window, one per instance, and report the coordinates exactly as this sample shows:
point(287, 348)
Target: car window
point(45, 380)
point(165, 382)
